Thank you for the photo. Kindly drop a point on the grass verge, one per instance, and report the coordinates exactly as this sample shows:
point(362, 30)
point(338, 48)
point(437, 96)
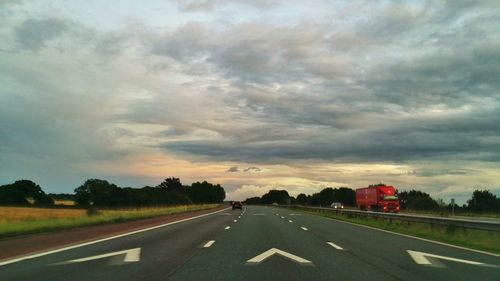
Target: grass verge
point(32, 224)
point(470, 238)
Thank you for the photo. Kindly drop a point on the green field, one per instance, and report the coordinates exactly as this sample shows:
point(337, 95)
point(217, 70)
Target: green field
point(17, 220)
point(470, 238)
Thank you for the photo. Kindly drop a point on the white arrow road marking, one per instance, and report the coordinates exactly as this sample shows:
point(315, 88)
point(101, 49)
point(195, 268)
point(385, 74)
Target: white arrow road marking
point(209, 243)
point(303, 228)
point(227, 227)
point(421, 258)
point(290, 220)
point(32, 256)
point(335, 246)
point(259, 258)
point(131, 255)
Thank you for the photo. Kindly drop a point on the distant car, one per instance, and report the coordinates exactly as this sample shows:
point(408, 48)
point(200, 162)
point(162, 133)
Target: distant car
point(337, 205)
point(237, 205)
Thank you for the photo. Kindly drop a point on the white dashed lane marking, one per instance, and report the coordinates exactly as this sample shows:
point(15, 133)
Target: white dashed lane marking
point(209, 243)
point(335, 246)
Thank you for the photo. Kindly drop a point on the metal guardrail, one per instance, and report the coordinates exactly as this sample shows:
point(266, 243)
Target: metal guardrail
point(451, 222)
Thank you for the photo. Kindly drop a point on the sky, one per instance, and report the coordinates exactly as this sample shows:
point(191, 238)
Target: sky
point(253, 95)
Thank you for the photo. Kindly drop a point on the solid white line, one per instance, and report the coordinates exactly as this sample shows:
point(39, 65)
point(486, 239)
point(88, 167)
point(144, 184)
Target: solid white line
point(227, 227)
point(335, 246)
point(209, 243)
point(418, 238)
point(304, 228)
point(131, 255)
point(9, 261)
point(290, 220)
point(419, 258)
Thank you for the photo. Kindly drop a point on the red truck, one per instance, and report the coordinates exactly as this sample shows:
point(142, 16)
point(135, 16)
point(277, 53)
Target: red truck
point(378, 198)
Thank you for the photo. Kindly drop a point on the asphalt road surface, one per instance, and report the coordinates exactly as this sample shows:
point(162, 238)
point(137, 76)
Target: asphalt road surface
point(258, 243)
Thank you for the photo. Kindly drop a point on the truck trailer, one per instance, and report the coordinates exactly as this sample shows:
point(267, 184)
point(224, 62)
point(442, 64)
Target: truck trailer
point(378, 198)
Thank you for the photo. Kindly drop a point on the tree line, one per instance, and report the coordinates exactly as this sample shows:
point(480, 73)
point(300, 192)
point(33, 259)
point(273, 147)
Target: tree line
point(482, 201)
point(325, 197)
point(98, 192)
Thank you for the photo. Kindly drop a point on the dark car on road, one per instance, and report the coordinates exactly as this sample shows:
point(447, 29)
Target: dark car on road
point(237, 205)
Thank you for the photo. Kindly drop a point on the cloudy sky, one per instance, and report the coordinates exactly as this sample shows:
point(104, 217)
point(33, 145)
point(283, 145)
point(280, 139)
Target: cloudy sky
point(253, 95)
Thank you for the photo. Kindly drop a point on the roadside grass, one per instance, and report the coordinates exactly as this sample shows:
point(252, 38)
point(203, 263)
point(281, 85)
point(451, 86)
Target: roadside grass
point(13, 214)
point(470, 238)
point(19, 220)
point(448, 214)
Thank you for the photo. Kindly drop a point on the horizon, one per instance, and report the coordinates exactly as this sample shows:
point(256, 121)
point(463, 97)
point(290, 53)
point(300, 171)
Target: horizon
point(252, 95)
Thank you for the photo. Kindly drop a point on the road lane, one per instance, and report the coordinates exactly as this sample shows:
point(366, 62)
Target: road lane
point(259, 245)
point(255, 234)
point(389, 251)
point(162, 251)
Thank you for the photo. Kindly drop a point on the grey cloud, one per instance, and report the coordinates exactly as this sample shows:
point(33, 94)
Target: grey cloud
point(252, 170)
point(402, 141)
point(441, 172)
point(110, 44)
point(233, 169)
point(316, 91)
point(402, 83)
point(188, 41)
point(32, 34)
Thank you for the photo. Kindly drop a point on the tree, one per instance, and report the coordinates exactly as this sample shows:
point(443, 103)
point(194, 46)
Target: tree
point(276, 196)
point(483, 201)
point(172, 185)
point(176, 191)
point(99, 193)
point(417, 200)
point(205, 192)
point(346, 196)
point(253, 200)
point(20, 191)
point(301, 199)
point(326, 196)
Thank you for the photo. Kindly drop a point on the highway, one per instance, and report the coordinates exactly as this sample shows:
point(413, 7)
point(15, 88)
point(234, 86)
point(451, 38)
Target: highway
point(258, 243)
